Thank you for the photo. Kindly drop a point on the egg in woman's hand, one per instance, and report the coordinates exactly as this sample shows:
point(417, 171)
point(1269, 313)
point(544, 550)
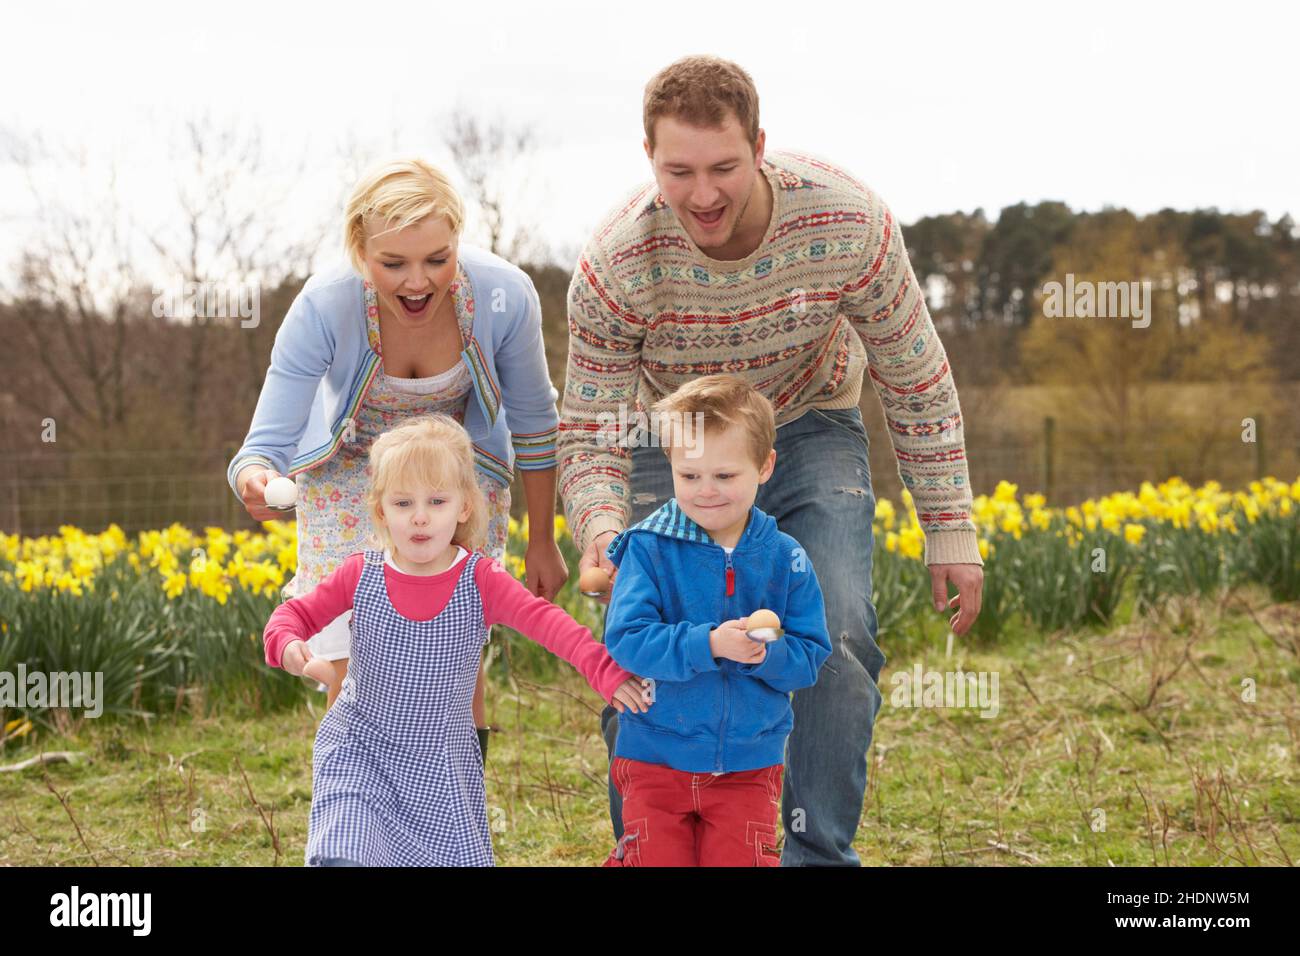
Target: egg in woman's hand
point(280, 492)
point(593, 581)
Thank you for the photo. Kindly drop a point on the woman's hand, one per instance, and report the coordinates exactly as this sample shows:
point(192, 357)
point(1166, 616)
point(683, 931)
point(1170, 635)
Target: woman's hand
point(544, 569)
point(252, 492)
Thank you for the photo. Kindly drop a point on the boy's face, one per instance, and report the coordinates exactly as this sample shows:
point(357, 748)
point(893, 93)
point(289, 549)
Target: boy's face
point(717, 484)
point(707, 176)
point(422, 521)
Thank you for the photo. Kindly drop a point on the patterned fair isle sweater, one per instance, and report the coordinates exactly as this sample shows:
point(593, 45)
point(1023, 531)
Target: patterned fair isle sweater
point(828, 294)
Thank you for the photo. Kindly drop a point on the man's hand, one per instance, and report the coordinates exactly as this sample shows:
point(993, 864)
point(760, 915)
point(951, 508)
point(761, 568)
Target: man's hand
point(969, 579)
point(594, 556)
point(730, 640)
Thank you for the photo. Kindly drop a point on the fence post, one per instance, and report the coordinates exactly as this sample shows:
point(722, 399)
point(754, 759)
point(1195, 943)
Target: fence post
point(1049, 442)
point(1260, 459)
point(229, 510)
point(15, 498)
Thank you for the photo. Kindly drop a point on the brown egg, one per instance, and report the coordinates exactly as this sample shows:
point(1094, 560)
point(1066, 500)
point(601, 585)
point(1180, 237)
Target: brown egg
point(594, 580)
point(763, 618)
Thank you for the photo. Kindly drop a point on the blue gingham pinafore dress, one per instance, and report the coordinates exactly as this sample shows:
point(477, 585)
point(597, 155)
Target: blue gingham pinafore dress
point(397, 776)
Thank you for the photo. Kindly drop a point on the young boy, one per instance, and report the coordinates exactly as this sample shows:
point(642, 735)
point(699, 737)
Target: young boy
point(700, 772)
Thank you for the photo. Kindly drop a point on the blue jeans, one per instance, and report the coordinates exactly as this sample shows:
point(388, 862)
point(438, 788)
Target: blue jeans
point(820, 494)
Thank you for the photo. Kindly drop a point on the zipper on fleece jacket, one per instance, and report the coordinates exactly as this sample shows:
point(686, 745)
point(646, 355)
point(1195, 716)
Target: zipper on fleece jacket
point(730, 575)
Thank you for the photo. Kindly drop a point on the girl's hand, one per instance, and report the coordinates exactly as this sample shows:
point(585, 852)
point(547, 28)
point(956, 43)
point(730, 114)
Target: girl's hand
point(631, 695)
point(295, 657)
point(544, 569)
point(252, 491)
point(298, 661)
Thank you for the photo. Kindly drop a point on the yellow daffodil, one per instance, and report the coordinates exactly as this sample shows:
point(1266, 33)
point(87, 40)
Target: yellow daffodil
point(174, 586)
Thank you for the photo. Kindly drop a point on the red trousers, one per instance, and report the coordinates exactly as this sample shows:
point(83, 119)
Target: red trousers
point(674, 818)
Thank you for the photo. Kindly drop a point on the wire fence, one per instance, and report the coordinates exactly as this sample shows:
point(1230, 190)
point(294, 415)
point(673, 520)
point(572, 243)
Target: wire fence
point(42, 491)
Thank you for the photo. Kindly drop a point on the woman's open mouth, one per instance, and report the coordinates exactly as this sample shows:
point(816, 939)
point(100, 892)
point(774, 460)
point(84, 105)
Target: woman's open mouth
point(414, 304)
point(711, 219)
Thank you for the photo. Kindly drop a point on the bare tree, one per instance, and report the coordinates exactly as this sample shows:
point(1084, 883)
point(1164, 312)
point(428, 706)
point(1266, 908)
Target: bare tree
point(90, 344)
point(228, 229)
point(75, 284)
point(492, 158)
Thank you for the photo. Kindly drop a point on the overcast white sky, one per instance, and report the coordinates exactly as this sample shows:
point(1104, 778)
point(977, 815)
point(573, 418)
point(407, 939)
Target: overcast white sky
point(939, 107)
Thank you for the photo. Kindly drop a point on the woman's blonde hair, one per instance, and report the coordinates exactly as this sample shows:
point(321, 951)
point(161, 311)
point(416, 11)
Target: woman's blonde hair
point(398, 193)
point(434, 451)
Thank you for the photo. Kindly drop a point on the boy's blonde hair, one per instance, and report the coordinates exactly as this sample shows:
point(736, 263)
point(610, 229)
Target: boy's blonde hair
point(432, 450)
point(722, 401)
point(398, 193)
point(701, 91)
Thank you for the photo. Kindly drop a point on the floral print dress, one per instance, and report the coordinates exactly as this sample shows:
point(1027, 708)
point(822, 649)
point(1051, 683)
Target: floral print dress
point(332, 518)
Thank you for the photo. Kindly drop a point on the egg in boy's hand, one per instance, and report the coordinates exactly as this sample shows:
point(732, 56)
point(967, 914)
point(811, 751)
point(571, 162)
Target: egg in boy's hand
point(763, 625)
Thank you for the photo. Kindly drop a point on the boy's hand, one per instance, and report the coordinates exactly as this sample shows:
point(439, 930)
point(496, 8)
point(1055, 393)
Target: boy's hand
point(729, 640)
point(631, 695)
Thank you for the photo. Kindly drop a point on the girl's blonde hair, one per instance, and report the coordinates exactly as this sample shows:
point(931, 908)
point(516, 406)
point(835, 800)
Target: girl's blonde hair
point(398, 193)
point(431, 450)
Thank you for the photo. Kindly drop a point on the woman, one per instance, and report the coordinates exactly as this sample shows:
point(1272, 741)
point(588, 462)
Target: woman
point(420, 324)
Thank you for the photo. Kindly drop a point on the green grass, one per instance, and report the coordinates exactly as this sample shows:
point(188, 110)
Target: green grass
point(1143, 726)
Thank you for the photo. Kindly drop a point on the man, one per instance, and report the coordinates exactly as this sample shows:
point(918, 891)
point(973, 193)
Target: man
point(786, 271)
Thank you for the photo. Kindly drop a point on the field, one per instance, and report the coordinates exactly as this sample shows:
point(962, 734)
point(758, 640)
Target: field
point(1151, 719)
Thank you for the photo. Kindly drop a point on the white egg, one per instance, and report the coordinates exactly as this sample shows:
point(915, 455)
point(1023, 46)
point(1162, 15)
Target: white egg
point(280, 492)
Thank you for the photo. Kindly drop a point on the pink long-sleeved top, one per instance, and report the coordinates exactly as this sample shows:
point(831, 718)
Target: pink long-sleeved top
point(423, 597)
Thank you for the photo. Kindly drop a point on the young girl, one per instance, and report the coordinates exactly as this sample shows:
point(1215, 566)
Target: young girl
point(397, 776)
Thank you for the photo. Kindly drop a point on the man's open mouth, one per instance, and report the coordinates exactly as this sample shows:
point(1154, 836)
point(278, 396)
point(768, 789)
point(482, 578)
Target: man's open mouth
point(711, 218)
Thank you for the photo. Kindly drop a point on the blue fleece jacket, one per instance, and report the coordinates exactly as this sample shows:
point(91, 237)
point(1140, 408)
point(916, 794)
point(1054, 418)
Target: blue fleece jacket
point(674, 586)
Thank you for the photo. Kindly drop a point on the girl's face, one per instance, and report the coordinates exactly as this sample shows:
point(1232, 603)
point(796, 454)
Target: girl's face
point(421, 522)
point(412, 269)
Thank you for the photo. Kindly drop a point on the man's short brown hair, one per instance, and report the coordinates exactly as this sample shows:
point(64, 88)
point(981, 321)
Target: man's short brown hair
point(702, 90)
point(722, 401)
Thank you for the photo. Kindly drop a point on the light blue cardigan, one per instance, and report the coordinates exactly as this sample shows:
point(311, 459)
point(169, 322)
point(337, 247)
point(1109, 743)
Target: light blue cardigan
point(322, 366)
